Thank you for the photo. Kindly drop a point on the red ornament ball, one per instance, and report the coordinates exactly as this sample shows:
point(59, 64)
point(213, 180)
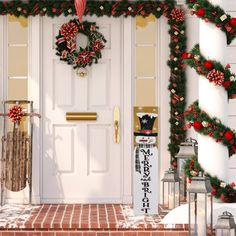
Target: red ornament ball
point(208, 65)
point(228, 135)
point(197, 125)
point(214, 191)
point(200, 12)
point(233, 22)
point(185, 55)
point(226, 84)
point(222, 197)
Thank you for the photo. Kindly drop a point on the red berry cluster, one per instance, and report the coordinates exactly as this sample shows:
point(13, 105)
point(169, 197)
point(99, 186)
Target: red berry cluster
point(15, 114)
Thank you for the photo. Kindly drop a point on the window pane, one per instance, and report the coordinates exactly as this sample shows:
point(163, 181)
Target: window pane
point(145, 61)
point(17, 89)
point(17, 30)
point(145, 92)
point(145, 30)
point(17, 61)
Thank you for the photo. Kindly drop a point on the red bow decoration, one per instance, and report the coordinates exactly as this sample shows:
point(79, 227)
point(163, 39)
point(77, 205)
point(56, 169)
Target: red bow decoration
point(80, 8)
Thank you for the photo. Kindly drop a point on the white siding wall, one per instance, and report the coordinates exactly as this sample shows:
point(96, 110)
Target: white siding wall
point(231, 59)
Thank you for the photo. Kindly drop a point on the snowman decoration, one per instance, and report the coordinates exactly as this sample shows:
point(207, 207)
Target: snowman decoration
point(145, 168)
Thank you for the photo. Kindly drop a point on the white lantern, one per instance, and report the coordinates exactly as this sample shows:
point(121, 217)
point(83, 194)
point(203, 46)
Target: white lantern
point(187, 149)
point(170, 188)
point(225, 225)
point(200, 206)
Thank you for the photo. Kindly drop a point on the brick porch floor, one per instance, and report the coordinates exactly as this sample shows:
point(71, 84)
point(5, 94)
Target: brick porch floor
point(82, 220)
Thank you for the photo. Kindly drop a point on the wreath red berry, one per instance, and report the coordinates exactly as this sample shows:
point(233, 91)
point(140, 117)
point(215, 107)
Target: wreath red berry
point(66, 43)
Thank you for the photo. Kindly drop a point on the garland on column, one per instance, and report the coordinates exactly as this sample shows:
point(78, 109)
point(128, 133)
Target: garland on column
point(214, 14)
point(220, 76)
point(212, 127)
point(226, 192)
point(214, 71)
point(176, 21)
point(177, 84)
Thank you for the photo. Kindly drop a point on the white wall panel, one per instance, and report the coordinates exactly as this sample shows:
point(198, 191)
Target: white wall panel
point(231, 58)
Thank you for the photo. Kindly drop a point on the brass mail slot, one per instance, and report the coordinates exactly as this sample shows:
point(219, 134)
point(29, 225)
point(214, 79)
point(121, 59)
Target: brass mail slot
point(81, 116)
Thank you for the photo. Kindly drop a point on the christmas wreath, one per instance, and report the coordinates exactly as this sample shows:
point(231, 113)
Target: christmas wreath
point(66, 43)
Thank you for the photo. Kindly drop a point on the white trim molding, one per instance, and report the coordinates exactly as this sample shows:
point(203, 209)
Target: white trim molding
point(128, 104)
point(34, 94)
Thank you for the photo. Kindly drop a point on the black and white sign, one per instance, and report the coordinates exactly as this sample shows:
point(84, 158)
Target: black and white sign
point(145, 179)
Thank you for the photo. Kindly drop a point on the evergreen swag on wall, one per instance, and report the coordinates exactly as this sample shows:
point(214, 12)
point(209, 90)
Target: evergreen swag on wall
point(214, 14)
point(176, 21)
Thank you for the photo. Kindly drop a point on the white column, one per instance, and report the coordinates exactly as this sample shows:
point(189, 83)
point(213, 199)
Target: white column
point(213, 99)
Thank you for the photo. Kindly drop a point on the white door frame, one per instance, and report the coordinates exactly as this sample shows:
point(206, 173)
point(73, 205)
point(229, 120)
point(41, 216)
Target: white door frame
point(35, 94)
point(3, 62)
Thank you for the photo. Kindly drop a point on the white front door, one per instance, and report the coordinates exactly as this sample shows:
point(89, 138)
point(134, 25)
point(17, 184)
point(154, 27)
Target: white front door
point(81, 162)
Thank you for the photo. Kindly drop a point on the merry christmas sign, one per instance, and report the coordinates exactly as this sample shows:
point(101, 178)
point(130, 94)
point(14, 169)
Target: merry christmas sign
point(145, 163)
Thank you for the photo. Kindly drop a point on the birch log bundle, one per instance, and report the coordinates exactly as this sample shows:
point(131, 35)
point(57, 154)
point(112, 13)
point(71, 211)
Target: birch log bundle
point(17, 160)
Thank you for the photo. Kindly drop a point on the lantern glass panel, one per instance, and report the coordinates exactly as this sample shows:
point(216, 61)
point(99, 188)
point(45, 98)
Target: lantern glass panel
point(165, 195)
point(171, 195)
point(200, 217)
point(183, 179)
point(176, 194)
point(225, 232)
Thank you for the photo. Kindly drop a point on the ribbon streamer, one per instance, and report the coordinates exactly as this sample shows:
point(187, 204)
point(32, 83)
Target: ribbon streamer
point(80, 8)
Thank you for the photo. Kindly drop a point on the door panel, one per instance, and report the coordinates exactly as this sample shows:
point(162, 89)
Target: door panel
point(81, 162)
